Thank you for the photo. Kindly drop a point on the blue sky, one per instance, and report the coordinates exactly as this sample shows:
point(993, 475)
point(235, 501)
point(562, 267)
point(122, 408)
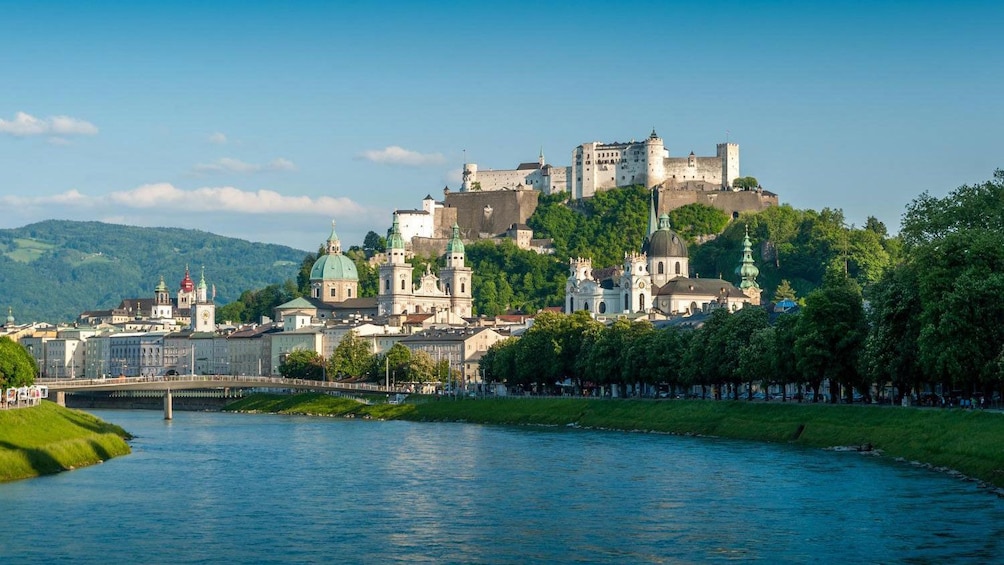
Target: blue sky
point(266, 120)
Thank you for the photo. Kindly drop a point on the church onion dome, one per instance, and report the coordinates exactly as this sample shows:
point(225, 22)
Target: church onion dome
point(333, 265)
point(666, 242)
point(394, 240)
point(455, 245)
point(187, 284)
point(747, 271)
point(161, 286)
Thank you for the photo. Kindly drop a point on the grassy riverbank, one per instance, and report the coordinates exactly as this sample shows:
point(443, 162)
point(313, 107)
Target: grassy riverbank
point(48, 439)
point(967, 442)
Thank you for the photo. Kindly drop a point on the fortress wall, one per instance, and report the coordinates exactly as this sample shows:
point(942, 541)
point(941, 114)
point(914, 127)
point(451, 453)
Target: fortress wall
point(732, 203)
point(491, 212)
point(708, 169)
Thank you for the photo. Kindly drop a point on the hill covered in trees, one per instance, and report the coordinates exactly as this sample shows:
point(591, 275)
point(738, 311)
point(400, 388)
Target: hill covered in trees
point(54, 270)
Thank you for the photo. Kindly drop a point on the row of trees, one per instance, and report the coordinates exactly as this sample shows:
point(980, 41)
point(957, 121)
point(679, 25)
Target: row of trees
point(352, 358)
point(729, 352)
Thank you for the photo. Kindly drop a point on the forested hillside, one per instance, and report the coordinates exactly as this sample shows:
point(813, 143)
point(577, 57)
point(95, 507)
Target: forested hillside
point(53, 270)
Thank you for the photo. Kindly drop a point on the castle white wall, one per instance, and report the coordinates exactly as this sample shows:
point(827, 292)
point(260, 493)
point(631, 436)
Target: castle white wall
point(415, 223)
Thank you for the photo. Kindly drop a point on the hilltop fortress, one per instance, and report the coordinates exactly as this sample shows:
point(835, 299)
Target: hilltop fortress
point(492, 203)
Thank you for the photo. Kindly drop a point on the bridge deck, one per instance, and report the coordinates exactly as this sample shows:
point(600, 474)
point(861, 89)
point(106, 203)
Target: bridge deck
point(184, 382)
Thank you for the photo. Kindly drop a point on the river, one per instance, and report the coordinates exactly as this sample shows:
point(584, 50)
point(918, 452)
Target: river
point(212, 487)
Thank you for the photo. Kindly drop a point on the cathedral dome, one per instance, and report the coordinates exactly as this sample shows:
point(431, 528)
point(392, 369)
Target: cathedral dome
point(666, 242)
point(334, 266)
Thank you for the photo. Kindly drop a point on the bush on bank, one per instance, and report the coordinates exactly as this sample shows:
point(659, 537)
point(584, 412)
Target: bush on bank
point(966, 441)
point(48, 439)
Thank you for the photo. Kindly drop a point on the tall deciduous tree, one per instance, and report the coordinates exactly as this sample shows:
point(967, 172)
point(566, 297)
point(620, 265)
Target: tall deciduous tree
point(17, 366)
point(302, 364)
point(831, 329)
point(351, 357)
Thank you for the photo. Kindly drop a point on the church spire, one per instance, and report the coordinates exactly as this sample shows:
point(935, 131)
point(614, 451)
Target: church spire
point(334, 244)
point(10, 317)
point(747, 271)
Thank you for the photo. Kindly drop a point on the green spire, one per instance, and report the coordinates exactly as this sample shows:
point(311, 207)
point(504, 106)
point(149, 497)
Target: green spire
point(455, 245)
point(161, 286)
point(394, 240)
point(202, 279)
point(747, 270)
point(10, 316)
point(652, 221)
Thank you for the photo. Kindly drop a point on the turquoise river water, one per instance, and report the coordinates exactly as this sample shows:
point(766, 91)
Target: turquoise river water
point(215, 488)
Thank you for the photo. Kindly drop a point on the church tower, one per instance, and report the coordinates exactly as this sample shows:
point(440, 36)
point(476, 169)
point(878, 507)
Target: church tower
point(637, 283)
point(396, 288)
point(186, 291)
point(203, 311)
point(162, 307)
point(457, 277)
point(748, 272)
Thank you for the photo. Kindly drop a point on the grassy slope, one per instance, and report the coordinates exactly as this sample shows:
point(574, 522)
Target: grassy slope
point(965, 441)
point(48, 438)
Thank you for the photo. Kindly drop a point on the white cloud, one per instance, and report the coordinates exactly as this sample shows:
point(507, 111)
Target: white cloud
point(218, 138)
point(24, 125)
point(229, 165)
point(394, 155)
point(165, 197)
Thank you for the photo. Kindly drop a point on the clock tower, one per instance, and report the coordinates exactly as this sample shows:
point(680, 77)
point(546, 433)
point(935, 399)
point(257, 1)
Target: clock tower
point(203, 310)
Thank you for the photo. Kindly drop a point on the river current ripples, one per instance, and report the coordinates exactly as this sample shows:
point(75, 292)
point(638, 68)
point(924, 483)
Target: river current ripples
point(212, 488)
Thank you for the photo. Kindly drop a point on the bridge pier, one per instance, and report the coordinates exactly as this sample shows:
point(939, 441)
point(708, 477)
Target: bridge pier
point(61, 398)
point(168, 405)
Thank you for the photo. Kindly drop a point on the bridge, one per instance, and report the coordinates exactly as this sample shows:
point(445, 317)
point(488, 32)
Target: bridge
point(192, 382)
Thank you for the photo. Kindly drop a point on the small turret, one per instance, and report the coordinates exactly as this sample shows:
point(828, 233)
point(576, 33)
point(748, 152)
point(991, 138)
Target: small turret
point(10, 317)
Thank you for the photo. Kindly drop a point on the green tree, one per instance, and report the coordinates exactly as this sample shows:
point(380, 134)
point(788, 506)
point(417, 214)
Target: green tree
point(374, 243)
point(832, 330)
point(421, 367)
point(745, 183)
point(784, 291)
point(302, 364)
point(17, 366)
point(352, 357)
point(696, 220)
point(891, 351)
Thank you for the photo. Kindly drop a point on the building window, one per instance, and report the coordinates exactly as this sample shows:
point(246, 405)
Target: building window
point(463, 288)
point(333, 292)
point(387, 286)
point(641, 302)
point(348, 293)
point(402, 284)
point(662, 268)
point(678, 267)
point(603, 307)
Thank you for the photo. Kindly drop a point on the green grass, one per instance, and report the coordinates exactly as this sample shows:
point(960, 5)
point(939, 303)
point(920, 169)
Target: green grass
point(968, 442)
point(49, 438)
point(28, 250)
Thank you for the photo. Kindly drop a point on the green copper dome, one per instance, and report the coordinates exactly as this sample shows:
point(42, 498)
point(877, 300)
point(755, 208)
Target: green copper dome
point(334, 267)
point(455, 245)
point(161, 286)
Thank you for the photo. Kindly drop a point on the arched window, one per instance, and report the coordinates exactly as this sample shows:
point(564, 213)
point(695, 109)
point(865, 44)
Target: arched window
point(641, 302)
point(603, 307)
point(693, 307)
point(463, 288)
point(387, 286)
point(662, 268)
point(402, 284)
point(348, 292)
point(585, 306)
point(678, 267)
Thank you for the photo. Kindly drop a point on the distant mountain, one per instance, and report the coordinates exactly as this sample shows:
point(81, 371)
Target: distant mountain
point(54, 270)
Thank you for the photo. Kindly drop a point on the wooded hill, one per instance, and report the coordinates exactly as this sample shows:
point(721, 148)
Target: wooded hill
point(54, 270)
